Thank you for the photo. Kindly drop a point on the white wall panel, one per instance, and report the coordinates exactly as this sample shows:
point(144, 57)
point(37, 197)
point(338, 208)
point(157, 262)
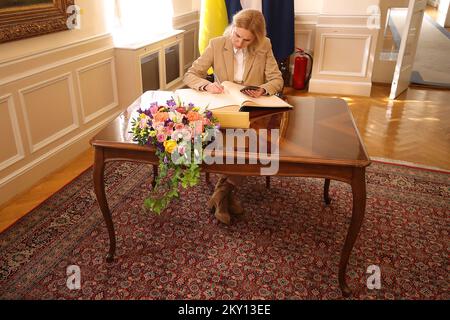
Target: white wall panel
point(36, 102)
point(12, 148)
point(97, 89)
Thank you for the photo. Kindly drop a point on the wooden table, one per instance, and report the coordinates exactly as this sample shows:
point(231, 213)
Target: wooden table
point(318, 138)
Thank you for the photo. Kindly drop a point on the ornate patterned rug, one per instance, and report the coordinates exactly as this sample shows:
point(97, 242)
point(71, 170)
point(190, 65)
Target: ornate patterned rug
point(287, 246)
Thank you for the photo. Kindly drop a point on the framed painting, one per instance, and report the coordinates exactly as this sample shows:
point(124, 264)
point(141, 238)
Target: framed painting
point(28, 18)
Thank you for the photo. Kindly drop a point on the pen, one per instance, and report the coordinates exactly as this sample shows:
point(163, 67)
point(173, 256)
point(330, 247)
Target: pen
point(216, 79)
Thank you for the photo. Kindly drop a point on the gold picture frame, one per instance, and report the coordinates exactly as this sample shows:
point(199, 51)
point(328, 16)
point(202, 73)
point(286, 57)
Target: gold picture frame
point(21, 19)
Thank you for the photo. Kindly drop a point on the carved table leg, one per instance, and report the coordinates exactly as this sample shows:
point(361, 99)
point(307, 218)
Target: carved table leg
point(326, 189)
point(99, 187)
point(359, 207)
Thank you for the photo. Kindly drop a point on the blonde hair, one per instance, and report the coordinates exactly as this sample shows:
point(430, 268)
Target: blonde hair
point(251, 20)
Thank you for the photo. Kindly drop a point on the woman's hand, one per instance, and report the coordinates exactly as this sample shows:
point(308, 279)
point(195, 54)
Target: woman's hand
point(254, 93)
point(214, 88)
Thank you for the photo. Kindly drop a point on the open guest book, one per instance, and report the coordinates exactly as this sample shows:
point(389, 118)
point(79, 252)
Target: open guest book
point(232, 107)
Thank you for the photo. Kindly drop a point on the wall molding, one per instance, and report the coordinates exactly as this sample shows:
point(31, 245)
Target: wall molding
point(306, 18)
point(330, 76)
point(305, 31)
point(39, 54)
point(348, 21)
point(186, 19)
point(365, 61)
point(16, 132)
point(105, 109)
point(358, 88)
point(54, 65)
point(309, 35)
point(30, 166)
point(75, 123)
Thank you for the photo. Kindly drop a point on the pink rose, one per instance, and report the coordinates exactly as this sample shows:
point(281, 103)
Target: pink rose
point(161, 137)
point(169, 128)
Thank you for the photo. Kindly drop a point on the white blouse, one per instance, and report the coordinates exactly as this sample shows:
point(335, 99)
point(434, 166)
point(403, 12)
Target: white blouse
point(239, 64)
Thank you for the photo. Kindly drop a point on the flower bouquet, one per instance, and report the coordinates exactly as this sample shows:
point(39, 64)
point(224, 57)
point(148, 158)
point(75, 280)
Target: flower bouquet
point(179, 133)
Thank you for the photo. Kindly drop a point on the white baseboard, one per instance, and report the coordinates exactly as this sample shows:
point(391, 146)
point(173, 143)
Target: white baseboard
point(340, 87)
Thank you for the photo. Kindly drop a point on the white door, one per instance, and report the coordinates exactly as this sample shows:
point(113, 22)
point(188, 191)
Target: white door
point(408, 47)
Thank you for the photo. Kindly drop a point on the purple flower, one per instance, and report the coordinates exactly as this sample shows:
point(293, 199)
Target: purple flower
point(209, 114)
point(166, 160)
point(160, 147)
point(171, 103)
point(191, 105)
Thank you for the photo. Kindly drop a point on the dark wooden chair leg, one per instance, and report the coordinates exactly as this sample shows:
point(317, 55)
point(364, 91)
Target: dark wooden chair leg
point(326, 189)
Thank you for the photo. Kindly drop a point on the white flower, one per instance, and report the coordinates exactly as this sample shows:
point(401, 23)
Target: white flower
point(177, 135)
point(175, 116)
point(202, 110)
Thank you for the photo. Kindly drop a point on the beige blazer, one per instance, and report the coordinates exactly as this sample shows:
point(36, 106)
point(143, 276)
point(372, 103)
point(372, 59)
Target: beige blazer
point(260, 69)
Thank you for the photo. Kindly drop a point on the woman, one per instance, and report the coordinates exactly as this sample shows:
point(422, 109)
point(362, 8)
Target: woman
point(242, 55)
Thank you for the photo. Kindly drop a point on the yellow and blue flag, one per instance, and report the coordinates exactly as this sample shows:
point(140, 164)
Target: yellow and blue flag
point(213, 21)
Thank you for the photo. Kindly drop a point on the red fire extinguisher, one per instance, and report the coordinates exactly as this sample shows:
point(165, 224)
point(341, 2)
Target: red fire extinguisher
point(301, 76)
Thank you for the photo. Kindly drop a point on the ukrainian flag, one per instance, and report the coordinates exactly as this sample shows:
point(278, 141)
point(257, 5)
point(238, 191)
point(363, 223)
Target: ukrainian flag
point(213, 21)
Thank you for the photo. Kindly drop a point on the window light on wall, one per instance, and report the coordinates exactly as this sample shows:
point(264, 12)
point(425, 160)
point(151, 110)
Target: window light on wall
point(139, 20)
